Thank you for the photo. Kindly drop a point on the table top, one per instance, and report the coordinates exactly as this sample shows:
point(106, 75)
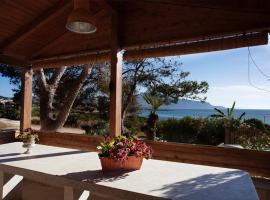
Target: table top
point(169, 180)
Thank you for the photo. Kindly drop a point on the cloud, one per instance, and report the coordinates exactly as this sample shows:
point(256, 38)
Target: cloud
point(245, 96)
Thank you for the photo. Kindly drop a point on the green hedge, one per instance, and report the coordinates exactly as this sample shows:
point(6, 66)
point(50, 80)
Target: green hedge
point(192, 130)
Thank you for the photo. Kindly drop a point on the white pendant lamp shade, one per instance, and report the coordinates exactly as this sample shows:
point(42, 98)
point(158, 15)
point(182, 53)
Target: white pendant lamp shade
point(80, 20)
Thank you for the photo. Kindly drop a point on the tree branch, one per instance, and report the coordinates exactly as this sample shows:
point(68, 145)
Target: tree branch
point(57, 75)
point(41, 78)
point(72, 94)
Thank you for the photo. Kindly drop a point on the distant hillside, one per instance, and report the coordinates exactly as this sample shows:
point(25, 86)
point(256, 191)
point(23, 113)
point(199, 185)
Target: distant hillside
point(182, 104)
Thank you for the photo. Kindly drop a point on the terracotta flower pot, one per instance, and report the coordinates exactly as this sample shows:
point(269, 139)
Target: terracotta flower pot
point(132, 163)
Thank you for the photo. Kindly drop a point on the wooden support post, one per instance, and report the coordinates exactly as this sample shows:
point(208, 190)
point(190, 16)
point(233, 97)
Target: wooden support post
point(116, 57)
point(26, 103)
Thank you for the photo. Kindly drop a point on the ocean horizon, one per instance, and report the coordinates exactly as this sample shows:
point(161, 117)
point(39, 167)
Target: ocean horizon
point(261, 114)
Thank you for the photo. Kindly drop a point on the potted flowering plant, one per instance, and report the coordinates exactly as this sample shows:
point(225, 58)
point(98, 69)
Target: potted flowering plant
point(123, 152)
point(29, 138)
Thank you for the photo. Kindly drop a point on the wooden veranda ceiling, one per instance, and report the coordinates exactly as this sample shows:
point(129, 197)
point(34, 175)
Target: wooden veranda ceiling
point(34, 30)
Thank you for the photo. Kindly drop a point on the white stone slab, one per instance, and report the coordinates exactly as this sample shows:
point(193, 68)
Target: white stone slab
point(170, 180)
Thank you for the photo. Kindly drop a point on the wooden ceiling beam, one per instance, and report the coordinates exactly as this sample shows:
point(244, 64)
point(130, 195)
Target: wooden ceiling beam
point(244, 6)
point(12, 61)
point(179, 49)
point(200, 47)
point(28, 29)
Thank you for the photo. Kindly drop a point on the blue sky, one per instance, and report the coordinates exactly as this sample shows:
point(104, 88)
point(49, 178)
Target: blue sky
point(5, 87)
point(227, 75)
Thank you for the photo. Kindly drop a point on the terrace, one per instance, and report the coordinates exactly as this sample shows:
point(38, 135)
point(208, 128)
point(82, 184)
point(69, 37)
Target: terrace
point(33, 35)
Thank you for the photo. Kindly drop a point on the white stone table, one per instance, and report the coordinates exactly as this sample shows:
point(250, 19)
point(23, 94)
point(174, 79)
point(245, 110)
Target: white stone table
point(71, 168)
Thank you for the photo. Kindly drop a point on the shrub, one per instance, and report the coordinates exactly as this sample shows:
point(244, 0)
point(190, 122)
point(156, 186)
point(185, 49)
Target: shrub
point(35, 120)
point(72, 120)
point(212, 132)
point(99, 127)
point(134, 124)
point(260, 141)
point(185, 130)
point(10, 112)
point(256, 123)
point(209, 131)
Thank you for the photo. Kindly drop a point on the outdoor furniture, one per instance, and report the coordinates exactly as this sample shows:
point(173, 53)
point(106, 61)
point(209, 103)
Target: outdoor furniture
point(79, 172)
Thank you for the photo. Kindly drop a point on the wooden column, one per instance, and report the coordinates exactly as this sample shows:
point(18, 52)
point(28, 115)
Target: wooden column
point(116, 58)
point(26, 102)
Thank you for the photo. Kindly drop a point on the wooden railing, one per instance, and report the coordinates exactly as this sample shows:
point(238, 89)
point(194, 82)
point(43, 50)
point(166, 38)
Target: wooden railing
point(7, 136)
point(257, 163)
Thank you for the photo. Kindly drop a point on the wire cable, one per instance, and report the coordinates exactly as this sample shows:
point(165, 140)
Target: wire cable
point(255, 64)
point(249, 77)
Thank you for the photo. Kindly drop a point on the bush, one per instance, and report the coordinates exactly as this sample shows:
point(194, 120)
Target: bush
point(134, 124)
point(72, 120)
point(9, 112)
point(256, 123)
point(192, 130)
point(185, 130)
point(260, 141)
point(212, 132)
point(35, 120)
point(96, 128)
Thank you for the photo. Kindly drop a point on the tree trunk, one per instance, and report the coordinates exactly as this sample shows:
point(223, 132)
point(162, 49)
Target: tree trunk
point(123, 120)
point(126, 104)
point(152, 126)
point(49, 121)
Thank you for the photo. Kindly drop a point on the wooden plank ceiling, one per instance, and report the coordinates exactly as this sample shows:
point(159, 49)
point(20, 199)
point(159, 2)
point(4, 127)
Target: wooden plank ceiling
point(34, 30)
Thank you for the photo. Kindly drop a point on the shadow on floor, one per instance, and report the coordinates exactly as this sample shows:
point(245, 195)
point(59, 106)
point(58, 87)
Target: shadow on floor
point(5, 160)
point(95, 176)
point(233, 185)
point(9, 154)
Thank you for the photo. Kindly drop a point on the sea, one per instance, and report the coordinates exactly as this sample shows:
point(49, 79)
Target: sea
point(263, 115)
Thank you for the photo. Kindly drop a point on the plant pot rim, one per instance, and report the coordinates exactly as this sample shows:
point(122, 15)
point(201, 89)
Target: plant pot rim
point(101, 157)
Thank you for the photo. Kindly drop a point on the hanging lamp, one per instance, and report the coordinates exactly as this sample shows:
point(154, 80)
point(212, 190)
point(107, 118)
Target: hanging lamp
point(80, 19)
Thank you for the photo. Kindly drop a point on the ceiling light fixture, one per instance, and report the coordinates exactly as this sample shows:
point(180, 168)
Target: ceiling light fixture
point(80, 20)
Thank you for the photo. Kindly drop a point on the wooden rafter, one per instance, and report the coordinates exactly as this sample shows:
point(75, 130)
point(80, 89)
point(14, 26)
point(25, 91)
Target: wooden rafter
point(28, 29)
point(179, 49)
point(236, 6)
point(44, 48)
point(55, 40)
point(12, 61)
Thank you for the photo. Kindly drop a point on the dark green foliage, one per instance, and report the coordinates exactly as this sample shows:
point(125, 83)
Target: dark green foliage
point(73, 120)
point(212, 132)
point(9, 111)
point(90, 122)
point(100, 127)
point(192, 130)
point(103, 107)
point(134, 124)
point(256, 123)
